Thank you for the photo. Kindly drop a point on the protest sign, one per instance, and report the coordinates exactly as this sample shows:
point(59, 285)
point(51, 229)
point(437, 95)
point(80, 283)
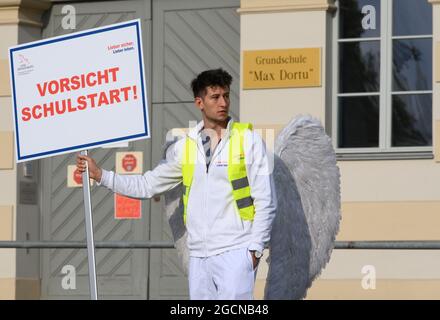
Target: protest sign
point(76, 92)
point(79, 91)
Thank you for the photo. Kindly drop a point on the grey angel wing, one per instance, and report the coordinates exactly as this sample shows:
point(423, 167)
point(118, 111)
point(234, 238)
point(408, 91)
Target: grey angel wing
point(174, 214)
point(307, 182)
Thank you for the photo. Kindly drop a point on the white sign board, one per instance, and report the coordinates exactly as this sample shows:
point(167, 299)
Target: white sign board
point(79, 91)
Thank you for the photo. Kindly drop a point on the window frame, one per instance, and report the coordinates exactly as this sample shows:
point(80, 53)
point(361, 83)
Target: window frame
point(385, 94)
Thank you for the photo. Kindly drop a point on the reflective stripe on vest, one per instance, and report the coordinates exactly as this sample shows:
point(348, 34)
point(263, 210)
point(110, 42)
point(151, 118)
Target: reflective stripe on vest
point(237, 173)
point(188, 166)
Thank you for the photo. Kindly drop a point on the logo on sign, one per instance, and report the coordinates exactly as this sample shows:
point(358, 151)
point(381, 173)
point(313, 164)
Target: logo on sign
point(24, 65)
point(77, 176)
point(129, 162)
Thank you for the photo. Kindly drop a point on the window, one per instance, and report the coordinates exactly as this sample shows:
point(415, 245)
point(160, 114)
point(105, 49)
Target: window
point(383, 84)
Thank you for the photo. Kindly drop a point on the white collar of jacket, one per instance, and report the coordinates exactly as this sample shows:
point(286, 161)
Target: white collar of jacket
point(194, 132)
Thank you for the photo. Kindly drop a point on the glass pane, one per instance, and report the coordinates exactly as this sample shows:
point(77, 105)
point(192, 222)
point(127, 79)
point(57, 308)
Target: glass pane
point(358, 122)
point(359, 66)
point(359, 18)
point(412, 65)
point(412, 17)
point(412, 120)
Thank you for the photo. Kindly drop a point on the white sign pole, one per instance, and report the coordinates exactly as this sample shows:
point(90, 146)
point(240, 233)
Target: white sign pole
point(89, 232)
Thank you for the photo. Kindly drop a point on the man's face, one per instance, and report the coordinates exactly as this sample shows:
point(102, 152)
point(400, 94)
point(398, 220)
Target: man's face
point(215, 104)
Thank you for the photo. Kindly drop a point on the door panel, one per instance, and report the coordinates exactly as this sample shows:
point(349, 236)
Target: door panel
point(189, 37)
point(121, 273)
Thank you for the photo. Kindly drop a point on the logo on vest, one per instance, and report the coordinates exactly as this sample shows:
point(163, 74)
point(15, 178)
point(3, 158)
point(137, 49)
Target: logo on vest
point(220, 163)
point(236, 159)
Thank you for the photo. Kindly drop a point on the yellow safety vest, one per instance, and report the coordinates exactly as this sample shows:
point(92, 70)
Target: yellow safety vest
point(237, 174)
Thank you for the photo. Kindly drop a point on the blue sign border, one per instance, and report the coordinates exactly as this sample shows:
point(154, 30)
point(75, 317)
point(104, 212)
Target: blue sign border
point(67, 37)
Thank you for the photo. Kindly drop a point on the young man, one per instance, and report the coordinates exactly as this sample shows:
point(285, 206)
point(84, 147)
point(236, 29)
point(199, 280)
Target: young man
point(229, 199)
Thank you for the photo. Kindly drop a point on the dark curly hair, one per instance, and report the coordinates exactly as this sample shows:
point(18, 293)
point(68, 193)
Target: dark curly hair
point(210, 78)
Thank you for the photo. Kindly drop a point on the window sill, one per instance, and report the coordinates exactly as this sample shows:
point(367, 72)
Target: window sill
point(384, 156)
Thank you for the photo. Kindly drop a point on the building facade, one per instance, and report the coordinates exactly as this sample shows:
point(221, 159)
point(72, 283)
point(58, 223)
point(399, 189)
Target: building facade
point(377, 91)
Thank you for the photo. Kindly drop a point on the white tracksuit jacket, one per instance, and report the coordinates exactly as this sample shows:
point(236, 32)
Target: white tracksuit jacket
point(213, 223)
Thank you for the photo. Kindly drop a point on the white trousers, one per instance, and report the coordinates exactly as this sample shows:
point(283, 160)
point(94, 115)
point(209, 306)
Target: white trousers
point(226, 276)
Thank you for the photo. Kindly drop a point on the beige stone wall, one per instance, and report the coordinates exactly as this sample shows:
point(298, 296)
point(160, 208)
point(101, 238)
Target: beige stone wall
point(386, 289)
point(18, 19)
point(283, 30)
point(7, 287)
point(8, 177)
point(255, 6)
point(381, 200)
